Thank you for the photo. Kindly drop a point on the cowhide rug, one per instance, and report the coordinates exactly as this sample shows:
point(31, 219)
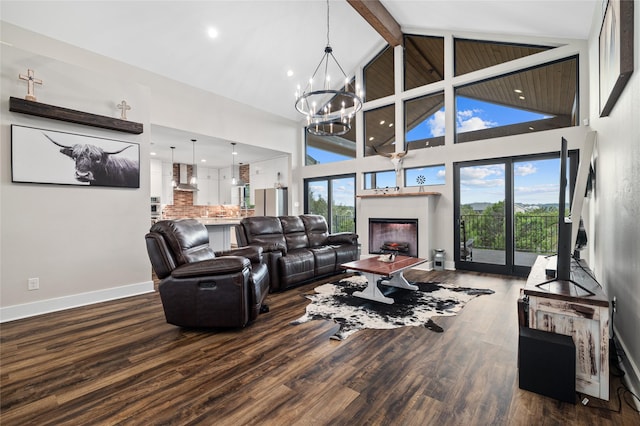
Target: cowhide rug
point(335, 301)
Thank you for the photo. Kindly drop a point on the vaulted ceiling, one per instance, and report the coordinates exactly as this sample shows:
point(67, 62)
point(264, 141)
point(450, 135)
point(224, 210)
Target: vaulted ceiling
point(260, 42)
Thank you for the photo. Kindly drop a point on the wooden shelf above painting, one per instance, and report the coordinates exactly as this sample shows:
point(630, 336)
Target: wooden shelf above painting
point(73, 116)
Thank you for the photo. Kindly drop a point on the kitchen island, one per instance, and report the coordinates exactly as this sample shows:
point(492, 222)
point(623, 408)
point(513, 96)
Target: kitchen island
point(221, 231)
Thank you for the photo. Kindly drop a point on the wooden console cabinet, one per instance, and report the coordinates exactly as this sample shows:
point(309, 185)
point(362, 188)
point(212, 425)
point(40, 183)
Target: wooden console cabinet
point(560, 307)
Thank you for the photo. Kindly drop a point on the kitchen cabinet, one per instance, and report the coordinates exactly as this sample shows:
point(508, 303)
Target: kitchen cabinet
point(207, 194)
point(156, 178)
point(167, 188)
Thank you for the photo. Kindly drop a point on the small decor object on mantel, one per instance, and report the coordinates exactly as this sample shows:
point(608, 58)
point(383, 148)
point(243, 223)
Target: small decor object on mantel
point(123, 107)
point(31, 80)
point(421, 180)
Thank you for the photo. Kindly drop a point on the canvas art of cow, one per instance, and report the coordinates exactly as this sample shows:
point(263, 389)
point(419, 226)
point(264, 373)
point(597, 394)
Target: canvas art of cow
point(101, 168)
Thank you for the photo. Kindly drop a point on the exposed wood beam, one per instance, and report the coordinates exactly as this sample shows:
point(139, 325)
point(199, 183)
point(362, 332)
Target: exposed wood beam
point(380, 19)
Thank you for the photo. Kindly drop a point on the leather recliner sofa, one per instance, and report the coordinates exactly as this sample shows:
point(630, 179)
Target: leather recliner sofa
point(203, 288)
point(297, 249)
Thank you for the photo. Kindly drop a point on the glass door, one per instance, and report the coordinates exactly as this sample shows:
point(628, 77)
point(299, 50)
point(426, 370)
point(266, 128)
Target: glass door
point(507, 212)
point(333, 197)
point(482, 215)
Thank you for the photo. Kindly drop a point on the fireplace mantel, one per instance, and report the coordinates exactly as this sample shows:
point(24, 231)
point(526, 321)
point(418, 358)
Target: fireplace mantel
point(399, 194)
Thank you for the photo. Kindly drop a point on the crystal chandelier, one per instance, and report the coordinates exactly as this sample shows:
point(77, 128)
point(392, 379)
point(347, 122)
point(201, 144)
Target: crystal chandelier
point(328, 110)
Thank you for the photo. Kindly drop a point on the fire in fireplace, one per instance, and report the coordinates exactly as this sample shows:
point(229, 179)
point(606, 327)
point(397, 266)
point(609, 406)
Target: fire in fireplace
point(393, 235)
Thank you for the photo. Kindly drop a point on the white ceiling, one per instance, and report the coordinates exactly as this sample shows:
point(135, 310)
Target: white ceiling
point(260, 40)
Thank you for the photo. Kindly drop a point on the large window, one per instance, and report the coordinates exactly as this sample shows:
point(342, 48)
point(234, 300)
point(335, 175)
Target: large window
point(329, 149)
point(380, 180)
point(423, 60)
point(379, 76)
point(333, 197)
point(428, 175)
point(535, 99)
point(473, 55)
point(424, 121)
point(379, 130)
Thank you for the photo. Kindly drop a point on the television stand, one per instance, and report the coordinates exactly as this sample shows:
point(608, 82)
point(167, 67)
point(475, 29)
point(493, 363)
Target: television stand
point(561, 308)
point(552, 270)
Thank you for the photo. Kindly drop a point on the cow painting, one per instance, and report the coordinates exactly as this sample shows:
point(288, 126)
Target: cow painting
point(98, 167)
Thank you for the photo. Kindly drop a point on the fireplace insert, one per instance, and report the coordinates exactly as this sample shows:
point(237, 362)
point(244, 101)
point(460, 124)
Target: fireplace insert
point(393, 236)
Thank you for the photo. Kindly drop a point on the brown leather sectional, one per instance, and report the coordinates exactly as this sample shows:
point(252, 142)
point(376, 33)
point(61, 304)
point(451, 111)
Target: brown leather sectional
point(297, 249)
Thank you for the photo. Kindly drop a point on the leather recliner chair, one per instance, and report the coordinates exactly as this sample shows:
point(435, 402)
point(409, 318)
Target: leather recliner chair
point(203, 288)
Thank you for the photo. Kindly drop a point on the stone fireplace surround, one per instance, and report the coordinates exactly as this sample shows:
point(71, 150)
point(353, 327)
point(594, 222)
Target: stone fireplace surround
point(420, 205)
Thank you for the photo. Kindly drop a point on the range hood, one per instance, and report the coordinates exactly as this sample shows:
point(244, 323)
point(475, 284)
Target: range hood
point(184, 184)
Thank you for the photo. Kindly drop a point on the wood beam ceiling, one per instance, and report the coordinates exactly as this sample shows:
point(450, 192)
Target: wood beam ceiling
point(380, 19)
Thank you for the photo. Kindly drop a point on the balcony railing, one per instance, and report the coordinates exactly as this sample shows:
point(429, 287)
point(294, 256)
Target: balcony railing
point(533, 233)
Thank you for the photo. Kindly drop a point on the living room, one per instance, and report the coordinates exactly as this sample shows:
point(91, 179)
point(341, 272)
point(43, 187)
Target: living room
point(87, 246)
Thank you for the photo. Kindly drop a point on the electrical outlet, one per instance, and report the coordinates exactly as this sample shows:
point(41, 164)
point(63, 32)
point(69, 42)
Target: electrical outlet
point(615, 304)
point(33, 284)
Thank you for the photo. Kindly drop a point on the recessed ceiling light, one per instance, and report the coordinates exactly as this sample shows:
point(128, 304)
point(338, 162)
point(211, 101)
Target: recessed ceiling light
point(290, 73)
point(153, 153)
point(517, 90)
point(204, 160)
point(531, 128)
point(381, 122)
point(390, 124)
point(212, 32)
point(522, 97)
point(371, 138)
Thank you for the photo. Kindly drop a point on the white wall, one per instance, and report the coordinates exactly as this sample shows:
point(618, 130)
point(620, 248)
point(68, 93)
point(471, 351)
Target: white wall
point(101, 233)
point(84, 244)
point(615, 205)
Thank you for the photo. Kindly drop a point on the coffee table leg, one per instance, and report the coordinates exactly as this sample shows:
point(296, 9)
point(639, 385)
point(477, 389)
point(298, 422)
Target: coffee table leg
point(372, 292)
point(398, 280)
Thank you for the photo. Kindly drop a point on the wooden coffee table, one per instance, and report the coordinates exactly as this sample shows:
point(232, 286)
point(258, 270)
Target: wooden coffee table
point(374, 269)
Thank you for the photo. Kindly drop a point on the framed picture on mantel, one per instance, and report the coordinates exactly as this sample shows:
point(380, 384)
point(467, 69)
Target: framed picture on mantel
point(615, 52)
point(48, 156)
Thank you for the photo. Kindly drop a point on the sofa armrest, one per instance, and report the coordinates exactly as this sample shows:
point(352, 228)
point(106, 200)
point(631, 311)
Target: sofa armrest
point(216, 266)
point(253, 253)
point(343, 238)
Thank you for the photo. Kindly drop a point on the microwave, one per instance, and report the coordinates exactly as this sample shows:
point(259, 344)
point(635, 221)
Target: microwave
point(156, 207)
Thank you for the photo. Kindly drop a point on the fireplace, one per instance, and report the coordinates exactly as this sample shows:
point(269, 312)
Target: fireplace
point(393, 235)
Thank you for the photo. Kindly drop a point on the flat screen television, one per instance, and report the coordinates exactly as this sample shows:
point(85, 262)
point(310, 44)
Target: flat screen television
point(566, 236)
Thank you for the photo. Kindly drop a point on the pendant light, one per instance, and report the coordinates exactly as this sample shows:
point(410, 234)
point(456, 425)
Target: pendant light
point(233, 163)
point(173, 177)
point(194, 173)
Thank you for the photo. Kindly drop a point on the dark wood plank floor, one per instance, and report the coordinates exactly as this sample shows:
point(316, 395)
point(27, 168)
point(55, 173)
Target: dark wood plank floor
point(120, 363)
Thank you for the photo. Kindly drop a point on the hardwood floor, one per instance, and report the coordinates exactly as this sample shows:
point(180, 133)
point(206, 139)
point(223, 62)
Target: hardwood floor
point(120, 363)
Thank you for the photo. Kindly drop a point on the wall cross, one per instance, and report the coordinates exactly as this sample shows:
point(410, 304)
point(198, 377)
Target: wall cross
point(30, 84)
point(123, 107)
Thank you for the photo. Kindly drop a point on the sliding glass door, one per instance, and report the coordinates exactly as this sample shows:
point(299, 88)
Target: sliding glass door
point(333, 197)
point(506, 212)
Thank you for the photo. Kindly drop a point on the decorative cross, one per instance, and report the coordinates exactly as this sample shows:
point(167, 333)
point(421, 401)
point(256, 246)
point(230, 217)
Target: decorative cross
point(124, 108)
point(30, 82)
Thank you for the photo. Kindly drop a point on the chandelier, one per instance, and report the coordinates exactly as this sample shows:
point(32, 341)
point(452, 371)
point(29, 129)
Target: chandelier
point(328, 110)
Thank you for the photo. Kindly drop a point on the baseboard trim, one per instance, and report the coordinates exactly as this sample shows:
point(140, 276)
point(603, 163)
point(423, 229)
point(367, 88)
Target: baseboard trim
point(26, 310)
point(630, 369)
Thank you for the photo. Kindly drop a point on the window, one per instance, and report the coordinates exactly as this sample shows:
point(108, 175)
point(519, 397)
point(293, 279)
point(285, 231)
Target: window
point(329, 149)
point(428, 175)
point(379, 180)
point(423, 60)
point(379, 130)
point(473, 55)
point(379, 76)
point(531, 100)
point(424, 121)
point(333, 197)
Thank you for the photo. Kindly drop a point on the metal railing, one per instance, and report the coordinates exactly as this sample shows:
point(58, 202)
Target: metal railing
point(343, 223)
point(533, 233)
